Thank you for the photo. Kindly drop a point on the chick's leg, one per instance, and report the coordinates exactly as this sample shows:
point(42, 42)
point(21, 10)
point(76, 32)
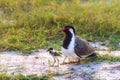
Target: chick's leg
point(64, 60)
point(54, 61)
point(58, 62)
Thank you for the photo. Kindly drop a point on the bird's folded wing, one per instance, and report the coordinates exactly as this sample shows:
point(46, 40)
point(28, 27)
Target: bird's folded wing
point(82, 47)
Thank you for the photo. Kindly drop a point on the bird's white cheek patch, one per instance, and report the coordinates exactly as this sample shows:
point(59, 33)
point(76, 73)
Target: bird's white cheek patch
point(70, 51)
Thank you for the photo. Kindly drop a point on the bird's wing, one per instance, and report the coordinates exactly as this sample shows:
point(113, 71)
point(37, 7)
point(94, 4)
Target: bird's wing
point(82, 47)
point(56, 54)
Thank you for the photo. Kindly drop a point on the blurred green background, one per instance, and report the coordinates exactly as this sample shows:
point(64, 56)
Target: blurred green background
point(27, 25)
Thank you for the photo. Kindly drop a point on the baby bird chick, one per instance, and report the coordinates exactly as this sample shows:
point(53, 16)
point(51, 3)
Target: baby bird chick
point(55, 55)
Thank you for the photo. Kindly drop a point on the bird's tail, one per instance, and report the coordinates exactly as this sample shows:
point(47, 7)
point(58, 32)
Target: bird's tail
point(94, 54)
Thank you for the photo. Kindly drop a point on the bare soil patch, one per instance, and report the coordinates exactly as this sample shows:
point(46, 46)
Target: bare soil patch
point(12, 62)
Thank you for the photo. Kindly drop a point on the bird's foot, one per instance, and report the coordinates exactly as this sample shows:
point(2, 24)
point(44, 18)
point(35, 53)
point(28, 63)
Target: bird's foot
point(64, 63)
point(74, 62)
point(71, 62)
point(79, 61)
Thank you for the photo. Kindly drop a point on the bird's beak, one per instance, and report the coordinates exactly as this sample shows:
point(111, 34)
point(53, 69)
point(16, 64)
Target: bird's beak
point(61, 30)
point(47, 50)
point(64, 29)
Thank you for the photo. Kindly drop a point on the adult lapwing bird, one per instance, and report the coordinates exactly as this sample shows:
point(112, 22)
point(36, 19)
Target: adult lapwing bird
point(55, 55)
point(75, 47)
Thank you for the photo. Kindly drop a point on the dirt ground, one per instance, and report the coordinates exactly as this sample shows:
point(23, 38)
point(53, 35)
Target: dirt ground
point(40, 63)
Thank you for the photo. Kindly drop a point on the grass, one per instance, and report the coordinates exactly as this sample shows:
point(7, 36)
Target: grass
point(100, 58)
point(23, 77)
point(108, 58)
point(32, 24)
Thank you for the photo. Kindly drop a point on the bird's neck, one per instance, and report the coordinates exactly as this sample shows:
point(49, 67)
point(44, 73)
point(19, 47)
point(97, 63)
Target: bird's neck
point(69, 38)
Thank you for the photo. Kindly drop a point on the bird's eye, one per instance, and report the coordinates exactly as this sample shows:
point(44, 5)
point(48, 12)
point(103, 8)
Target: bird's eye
point(65, 29)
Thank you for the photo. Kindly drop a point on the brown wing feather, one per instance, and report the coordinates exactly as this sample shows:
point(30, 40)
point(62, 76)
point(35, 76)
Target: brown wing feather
point(82, 47)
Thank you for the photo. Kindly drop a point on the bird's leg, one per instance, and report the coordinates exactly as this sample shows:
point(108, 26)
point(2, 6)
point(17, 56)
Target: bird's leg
point(64, 60)
point(58, 62)
point(69, 61)
point(54, 61)
point(78, 61)
point(49, 62)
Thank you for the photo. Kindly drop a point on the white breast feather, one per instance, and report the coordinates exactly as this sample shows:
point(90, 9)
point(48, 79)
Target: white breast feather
point(70, 51)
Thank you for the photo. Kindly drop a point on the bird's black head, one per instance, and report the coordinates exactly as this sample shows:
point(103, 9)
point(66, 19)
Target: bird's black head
point(67, 29)
point(50, 49)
